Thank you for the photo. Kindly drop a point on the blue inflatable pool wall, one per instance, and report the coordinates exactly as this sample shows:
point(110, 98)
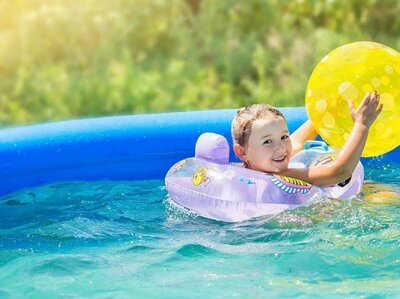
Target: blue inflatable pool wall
point(134, 147)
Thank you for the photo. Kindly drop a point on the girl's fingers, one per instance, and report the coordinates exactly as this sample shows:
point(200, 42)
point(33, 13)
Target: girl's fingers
point(350, 105)
point(366, 99)
point(375, 103)
point(374, 98)
point(378, 97)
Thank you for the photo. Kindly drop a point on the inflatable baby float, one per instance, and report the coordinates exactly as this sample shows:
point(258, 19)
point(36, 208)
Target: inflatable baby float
point(214, 188)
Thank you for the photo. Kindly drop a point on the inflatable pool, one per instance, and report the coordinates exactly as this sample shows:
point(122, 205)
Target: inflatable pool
point(134, 147)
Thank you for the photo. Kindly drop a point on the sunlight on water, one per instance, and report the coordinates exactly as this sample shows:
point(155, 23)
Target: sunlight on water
point(128, 239)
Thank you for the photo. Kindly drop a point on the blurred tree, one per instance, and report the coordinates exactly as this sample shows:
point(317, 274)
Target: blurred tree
point(65, 59)
point(194, 5)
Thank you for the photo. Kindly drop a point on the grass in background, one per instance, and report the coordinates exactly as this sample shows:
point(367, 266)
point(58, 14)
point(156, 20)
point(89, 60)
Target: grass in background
point(63, 59)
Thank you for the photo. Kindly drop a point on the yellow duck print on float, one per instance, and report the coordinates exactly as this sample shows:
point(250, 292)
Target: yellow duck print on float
point(201, 176)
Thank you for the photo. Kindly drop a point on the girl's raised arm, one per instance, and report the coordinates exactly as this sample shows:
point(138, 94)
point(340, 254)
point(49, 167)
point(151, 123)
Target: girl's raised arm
point(347, 159)
point(305, 132)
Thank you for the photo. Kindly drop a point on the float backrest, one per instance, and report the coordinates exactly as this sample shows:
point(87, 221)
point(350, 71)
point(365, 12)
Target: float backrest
point(213, 148)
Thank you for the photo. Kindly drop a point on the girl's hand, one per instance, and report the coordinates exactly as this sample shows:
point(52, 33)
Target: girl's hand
point(367, 111)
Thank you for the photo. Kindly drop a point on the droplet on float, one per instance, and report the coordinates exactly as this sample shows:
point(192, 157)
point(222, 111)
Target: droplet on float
point(389, 69)
point(388, 101)
point(321, 105)
point(328, 120)
point(375, 82)
point(348, 91)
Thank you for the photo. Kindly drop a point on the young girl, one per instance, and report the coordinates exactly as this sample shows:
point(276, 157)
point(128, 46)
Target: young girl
point(261, 140)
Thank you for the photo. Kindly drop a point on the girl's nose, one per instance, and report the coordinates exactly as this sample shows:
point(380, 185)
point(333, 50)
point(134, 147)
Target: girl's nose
point(280, 148)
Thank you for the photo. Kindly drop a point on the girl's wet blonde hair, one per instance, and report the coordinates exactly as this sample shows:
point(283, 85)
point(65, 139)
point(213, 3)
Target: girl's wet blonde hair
point(246, 116)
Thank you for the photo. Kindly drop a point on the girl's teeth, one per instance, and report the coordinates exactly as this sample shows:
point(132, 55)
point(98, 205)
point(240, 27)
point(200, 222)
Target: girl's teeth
point(280, 159)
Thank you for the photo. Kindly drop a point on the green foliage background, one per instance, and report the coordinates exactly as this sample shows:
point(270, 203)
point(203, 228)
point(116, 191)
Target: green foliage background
point(62, 59)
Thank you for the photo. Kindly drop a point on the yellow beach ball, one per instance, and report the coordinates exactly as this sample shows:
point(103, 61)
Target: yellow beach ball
point(348, 73)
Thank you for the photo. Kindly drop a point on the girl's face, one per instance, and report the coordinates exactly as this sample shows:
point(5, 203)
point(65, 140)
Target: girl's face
point(269, 148)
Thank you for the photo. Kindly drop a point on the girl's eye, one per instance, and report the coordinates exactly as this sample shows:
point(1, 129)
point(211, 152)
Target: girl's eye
point(285, 137)
point(268, 141)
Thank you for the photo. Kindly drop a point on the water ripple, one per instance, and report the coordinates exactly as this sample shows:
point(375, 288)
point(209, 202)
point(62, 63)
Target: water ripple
point(123, 239)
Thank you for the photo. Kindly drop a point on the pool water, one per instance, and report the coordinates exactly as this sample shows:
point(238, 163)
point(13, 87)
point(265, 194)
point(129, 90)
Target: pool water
point(128, 240)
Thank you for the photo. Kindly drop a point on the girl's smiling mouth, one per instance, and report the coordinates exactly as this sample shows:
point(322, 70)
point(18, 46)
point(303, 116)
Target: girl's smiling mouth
point(279, 159)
